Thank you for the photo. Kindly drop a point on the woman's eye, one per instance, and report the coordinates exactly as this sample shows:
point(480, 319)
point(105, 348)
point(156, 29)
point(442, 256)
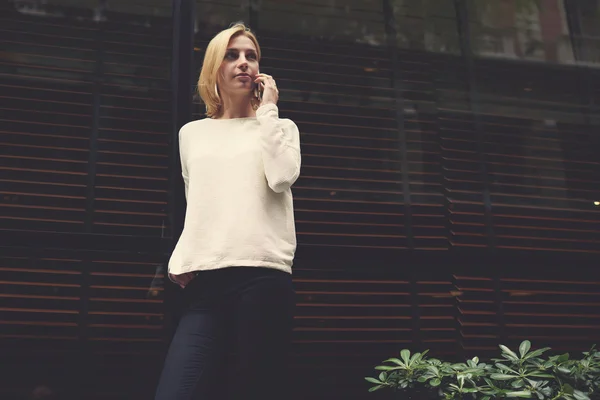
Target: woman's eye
point(231, 56)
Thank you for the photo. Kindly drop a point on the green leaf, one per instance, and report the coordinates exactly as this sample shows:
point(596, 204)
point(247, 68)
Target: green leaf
point(502, 377)
point(415, 358)
point(537, 353)
point(505, 368)
point(517, 384)
point(435, 382)
point(509, 352)
point(564, 370)
point(405, 354)
point(524, 347)
point(434, 370)
point(568, 388)
point(523, 394)
point(386, 368)
point(382, 376)
point(395, 361)
point(541, 375)
point(579, 395)
point(373, 380)
point(486, 398)
point(374, 388)
point(489, 382)
point(562, 358)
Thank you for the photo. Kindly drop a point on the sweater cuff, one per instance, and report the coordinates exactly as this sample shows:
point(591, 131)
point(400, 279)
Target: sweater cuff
point(265, 109)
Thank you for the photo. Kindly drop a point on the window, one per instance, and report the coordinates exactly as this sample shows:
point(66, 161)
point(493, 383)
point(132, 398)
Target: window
point(530, 30)
point(586, 24)
point(426, 25)
point(346, 21)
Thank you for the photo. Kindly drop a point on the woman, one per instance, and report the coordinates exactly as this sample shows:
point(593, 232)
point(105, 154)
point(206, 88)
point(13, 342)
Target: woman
point(234, 257)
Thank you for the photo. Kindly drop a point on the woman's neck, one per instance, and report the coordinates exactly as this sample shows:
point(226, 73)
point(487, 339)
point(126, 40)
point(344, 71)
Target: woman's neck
point(242, 108)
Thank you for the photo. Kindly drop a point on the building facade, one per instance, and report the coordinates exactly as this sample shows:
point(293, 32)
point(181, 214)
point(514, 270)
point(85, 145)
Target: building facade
point(449, 197)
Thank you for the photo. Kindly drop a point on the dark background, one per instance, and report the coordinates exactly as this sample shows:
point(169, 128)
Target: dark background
point(449, 197)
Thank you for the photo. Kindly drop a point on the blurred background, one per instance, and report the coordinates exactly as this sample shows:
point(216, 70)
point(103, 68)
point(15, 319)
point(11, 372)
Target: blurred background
point(449, 197)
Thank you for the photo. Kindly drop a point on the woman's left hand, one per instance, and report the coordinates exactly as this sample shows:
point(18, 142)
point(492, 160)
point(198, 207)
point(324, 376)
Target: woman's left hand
point(270, 94)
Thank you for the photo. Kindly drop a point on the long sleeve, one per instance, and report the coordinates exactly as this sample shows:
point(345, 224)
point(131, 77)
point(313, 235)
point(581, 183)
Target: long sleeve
point(183, 158)
point(280, 148)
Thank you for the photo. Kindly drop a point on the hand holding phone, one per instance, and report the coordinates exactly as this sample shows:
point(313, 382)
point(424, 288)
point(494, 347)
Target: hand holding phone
point(266, 90)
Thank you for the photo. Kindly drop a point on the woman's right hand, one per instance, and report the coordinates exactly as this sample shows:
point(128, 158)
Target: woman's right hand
point(183, 279)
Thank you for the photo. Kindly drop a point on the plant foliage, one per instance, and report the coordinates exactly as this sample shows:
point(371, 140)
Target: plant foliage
point(525, 373)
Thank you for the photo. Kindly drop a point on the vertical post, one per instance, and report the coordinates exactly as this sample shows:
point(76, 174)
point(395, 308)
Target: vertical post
point(390, 30)
point(253, 9)
point(464, 32)
point(182, 86)
point(83, 353)
point(97, 80)
point(573, 13)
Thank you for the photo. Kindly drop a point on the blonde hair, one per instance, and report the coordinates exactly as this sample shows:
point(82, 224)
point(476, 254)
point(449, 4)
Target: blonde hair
point(215, 53)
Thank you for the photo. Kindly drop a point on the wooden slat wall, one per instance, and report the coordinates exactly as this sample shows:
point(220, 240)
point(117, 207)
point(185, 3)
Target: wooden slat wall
point(541, 155)
point(461, 164)
point(514, 304)
point(423, 152)
point(69, 319)
point(134, 131)
point(378, 268)
point(46, 100)
point(85, 114)
point(350, 192)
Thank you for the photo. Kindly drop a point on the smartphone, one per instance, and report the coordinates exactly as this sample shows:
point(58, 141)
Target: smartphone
point(258, 89)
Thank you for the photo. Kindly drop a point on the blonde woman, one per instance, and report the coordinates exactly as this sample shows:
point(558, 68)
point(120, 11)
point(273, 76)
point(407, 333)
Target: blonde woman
point(234, 257)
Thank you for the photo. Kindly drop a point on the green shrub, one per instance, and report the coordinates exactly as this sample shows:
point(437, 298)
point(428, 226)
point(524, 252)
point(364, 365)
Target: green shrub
point(527, 374)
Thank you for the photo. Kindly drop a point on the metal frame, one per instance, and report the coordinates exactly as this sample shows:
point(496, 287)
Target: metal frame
point(464, 32)
point(182, 70)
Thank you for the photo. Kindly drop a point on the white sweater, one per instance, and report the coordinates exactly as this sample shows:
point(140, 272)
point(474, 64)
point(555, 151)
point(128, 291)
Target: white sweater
point(238, 173)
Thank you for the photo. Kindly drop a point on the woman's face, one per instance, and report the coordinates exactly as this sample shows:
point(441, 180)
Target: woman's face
point(239, 67)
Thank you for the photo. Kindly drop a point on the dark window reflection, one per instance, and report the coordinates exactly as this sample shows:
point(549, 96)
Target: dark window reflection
point(353, 21)
point(426, 25)
point(530, 30)
point(214, 15)
point(588, 18)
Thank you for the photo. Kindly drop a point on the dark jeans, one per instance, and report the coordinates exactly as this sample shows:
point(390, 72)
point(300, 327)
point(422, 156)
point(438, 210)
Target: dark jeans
point(246, 310)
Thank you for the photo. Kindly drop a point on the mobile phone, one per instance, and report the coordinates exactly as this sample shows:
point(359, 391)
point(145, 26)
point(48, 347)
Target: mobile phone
point(258, 91)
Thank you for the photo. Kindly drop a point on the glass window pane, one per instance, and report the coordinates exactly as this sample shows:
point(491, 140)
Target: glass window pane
point(358, 21)
point(426, 25)
point(589, 25)
point(523, 29)
point(95, 9)
point(214, 15)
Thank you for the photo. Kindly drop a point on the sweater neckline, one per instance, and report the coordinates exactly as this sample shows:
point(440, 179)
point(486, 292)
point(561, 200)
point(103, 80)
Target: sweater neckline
point(233, 119)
